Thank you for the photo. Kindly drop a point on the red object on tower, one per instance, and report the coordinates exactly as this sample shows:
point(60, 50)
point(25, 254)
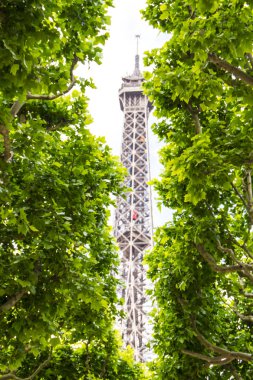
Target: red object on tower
point(135, 215)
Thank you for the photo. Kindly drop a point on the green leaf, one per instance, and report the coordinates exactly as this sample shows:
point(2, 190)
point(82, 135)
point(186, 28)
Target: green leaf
point(14, 68)
point(32, 228)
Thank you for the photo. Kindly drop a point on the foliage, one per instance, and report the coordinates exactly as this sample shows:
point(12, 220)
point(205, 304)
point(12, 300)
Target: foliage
point(40, 40)
point(201, 87)
point(94, 359)
point(57, 255)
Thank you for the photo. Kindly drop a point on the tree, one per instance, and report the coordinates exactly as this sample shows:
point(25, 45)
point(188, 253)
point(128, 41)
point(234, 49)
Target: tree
point(201, 87)
point(57, 255)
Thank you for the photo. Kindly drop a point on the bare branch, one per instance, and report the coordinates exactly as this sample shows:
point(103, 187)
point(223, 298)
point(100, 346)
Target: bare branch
point(240, 267)
point(249, 194)
point(4, 131)
point(218, 350)
point(225, 356)
point(226, 66)
point(211, 261)
point(11, 375)
point(232, 255)
point(218, 360)
point(12, 301)
point(16, 107)
point(55, 96)
point(246, 318)
point(248, 295)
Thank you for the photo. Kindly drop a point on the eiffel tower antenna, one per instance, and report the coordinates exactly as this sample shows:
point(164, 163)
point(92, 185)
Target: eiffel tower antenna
point(137, 36)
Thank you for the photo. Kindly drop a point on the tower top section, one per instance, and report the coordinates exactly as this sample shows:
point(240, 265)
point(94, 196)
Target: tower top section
point(136, 78)
point(131, 87)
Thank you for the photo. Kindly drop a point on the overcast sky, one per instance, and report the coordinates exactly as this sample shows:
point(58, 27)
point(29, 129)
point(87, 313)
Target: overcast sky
point(118, 60)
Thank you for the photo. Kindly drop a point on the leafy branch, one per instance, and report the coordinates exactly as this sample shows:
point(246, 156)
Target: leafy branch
point(17, 105)
point(224, 352)
point(55, 96)
point(225, 356)
point(11, 375)
point(244, 248)
point(239, 267)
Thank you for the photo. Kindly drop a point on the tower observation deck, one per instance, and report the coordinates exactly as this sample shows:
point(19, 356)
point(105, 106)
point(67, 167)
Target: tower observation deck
point(133, 218)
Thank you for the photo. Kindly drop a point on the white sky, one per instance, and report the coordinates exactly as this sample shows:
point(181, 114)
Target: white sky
point(118, 60)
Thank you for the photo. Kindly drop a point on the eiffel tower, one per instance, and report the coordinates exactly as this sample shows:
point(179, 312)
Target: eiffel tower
point(133, 218)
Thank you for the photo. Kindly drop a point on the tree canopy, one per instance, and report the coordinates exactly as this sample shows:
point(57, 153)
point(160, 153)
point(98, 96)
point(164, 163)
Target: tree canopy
point(57, 256)
point(201, 87)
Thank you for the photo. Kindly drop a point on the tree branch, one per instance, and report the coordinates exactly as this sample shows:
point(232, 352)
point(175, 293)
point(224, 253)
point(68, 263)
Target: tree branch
point(12, 375)
point(12, 301)
point(225, 356)
point(16, 108)
point(240, 267)
point(249, 194)
point(18, 105)
point(232, 255)
point(211, 261)
point(246, 318)
point(248, 295)
point(238, 73)
point(218, 360)
point(226, 353)
point(55, 96)
point(194, 113)
point(239, 195)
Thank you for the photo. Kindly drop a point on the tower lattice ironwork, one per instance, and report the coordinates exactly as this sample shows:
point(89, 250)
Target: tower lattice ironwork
point(133, 219)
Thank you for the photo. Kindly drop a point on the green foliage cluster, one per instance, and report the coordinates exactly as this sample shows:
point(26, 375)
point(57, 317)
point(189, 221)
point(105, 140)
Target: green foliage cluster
point(202, 263)
point(40, 39)
point(57, 255)
point(100, 358)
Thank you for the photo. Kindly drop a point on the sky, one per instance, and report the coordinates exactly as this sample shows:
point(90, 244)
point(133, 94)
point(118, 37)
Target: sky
point(118, 60)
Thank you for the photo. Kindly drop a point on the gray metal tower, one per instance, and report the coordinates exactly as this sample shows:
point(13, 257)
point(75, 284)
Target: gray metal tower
point(133, 219)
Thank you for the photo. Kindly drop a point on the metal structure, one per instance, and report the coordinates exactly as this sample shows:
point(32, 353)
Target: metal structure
point(133, 219)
